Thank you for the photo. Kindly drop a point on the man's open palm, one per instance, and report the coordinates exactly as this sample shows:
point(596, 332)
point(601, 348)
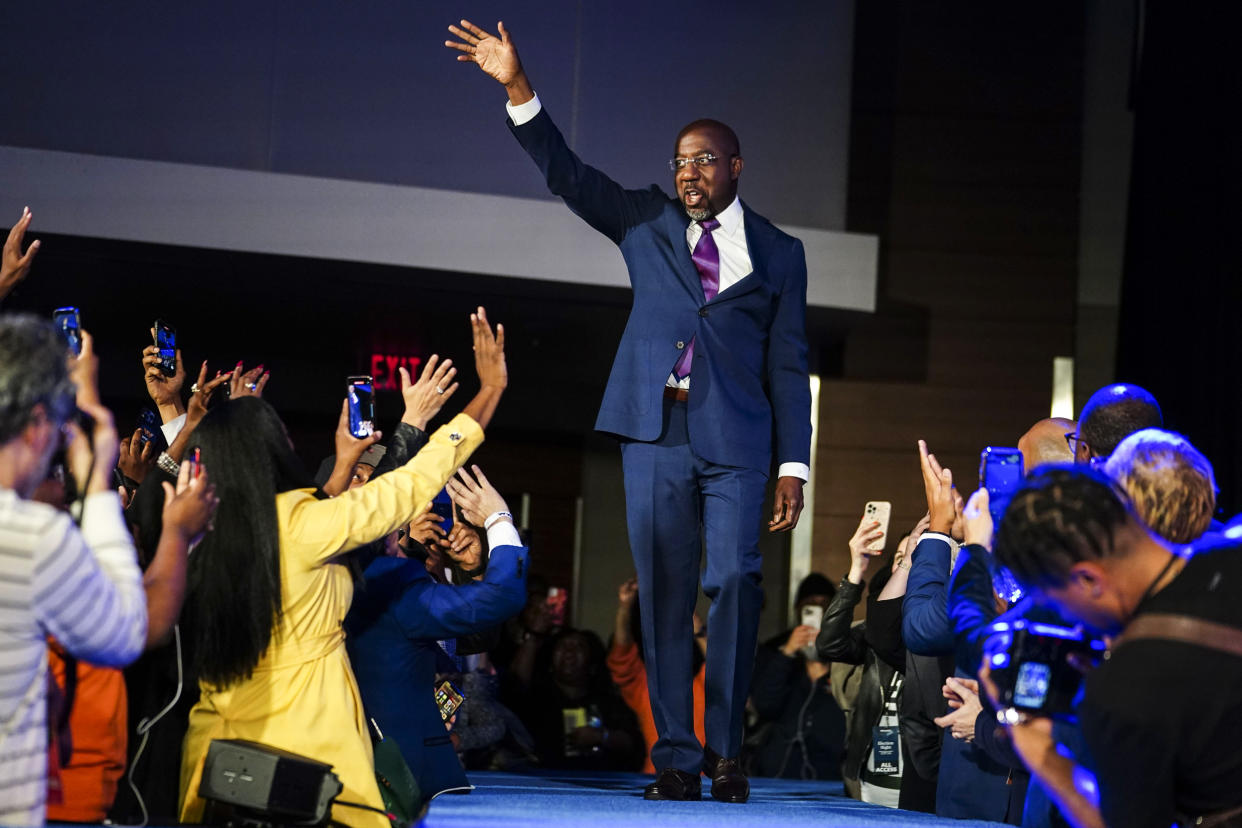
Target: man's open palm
point(496, 56)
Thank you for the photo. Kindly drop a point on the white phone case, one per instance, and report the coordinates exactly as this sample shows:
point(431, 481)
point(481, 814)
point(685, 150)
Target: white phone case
point(878, 510)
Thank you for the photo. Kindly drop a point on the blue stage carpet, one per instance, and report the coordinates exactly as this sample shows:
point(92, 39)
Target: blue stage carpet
point(550, 800)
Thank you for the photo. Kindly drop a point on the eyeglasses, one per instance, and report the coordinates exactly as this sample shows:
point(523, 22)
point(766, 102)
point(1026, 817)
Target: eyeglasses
point(704, 160)
point(1073, 440)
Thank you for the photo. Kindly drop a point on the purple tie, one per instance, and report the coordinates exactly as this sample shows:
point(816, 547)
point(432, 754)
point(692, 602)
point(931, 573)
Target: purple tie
point(706, 258)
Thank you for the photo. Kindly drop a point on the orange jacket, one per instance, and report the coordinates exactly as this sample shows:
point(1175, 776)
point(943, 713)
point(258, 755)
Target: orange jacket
point(98, 723)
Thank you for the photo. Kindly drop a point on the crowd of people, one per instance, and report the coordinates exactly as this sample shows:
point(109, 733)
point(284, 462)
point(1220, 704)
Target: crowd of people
point(193, 582)
point(220, 591)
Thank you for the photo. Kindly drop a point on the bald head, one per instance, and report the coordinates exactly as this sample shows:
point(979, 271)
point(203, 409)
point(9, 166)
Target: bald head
point(1045, 443)
point(722, 133)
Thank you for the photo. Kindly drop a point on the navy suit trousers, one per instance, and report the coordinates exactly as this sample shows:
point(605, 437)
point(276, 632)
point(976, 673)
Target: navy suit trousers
point(677, 504)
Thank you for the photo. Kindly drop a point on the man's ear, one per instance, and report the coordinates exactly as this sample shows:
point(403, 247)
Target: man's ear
point(38, 429)
point(735, 166)
point(1089, 578)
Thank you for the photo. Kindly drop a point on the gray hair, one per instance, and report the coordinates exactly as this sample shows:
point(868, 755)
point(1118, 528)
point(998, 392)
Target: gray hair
point(33, 371)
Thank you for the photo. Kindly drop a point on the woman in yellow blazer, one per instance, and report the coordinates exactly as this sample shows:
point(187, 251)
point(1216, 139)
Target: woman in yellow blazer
point(269, 587)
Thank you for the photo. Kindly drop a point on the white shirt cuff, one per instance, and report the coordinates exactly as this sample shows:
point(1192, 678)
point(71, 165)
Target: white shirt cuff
point(799, 470)
point(502, 533)
point(522, 113)
point(954, 546)
point(172, 428)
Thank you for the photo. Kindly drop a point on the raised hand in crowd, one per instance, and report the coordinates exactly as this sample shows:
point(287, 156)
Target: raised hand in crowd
point(489, 364)
point(465, 546)
point(189, 508)
point(627, 596)
point(137, 456)
point(164, 391)
point(424, 399)
point(801, 636)
point(943, 501)
point(243, 383)
point(496, 56)
point(977, 520)
point(477, 498)
point(426, 528)
point(963, 697)
point(190, 505)
point(14, 265)
point(201, 393)
point(104, 444)
point(349, 450)
point(867, 533)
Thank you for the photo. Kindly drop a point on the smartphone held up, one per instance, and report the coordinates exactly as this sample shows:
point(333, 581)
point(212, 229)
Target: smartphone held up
point(878, 510)
point(360, 392)
point(69, 322)
point(166, 342)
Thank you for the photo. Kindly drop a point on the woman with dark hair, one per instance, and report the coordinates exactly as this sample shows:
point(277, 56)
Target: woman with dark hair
point(269, 589)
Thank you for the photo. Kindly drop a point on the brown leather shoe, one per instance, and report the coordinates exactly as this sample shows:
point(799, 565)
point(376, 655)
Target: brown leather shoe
point(729, 784)
point(674, 784)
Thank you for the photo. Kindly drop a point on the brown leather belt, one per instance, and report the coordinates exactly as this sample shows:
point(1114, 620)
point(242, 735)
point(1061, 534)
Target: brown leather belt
point(679, 394)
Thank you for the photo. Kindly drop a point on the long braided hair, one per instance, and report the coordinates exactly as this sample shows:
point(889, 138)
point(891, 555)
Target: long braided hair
point(1059, 517)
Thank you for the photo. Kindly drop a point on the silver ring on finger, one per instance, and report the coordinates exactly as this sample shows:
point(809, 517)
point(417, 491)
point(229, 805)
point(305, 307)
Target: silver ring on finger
point(252, 385)
point(194, 389)
point(439, 390)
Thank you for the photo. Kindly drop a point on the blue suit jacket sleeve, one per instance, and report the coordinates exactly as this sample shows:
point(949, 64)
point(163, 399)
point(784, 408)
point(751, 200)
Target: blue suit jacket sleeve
point(971, 607)
point(590, 194)
point(925, 619)
point(788, 383)
point(441, 611)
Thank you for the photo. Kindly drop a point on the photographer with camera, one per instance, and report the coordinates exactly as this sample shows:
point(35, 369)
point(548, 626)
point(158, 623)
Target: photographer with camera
point(1160, 713)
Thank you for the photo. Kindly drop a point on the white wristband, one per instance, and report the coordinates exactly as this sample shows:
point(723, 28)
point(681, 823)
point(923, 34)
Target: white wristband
point(494, 518)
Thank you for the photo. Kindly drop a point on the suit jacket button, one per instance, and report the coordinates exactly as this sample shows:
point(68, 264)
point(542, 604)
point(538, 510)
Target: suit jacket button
point(702, 311)
point(680, 344)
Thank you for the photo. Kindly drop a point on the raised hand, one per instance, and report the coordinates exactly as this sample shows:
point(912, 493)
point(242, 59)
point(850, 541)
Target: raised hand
point(489, 351)
point(977, 520)
point(191, 506)
point(489, 363)
point(496, 56)
point(247, 383)
point(349, 450)
point(799, 638)
point(200, 395)
point(164, 391)
point(465, 546)
point(136, 457)
point(84, 371)
point(425, 398)
point(475, 496)
point(13, 264)
point(627, 593)
point(938, 486)
point(868, 531)
point(426, 529)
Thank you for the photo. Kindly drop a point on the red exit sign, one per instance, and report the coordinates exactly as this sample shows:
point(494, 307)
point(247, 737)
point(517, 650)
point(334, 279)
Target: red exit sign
point(384, 369)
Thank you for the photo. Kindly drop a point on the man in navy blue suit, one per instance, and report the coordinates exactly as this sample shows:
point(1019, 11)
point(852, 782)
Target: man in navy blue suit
point(713, 356)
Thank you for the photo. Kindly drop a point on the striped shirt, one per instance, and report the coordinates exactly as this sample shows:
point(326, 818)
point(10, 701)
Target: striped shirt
point(83, 587)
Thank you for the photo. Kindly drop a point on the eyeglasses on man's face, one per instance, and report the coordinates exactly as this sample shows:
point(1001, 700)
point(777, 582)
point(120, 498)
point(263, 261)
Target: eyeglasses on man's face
point(1073, 439)
point(705, 159)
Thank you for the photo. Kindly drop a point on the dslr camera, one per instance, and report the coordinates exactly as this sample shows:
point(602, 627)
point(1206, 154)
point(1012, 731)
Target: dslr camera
point(1029, 662)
